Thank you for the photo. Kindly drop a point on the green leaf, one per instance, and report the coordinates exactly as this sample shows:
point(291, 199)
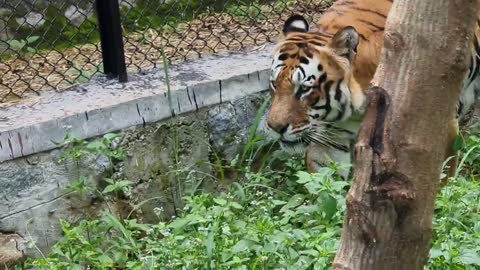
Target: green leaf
point(278, 202)
point(240, 192)
point(123, 184)
point(32, 39)
point(242, 245)
point(300, 234)
point(32, 50)
point(110, 136)
point(236, 205)
point(295, 201)
point(179, 223)
point(469, 257)
point(96, 146)
point(310, 252)
point(17, 45)
point(435, 253)
point(105, 260)
point(340, 185)
point(304, 177)
point(117, 224)
point(109, 188)
point(307, 209)
point(76, 267)
point(328, 204)
point(210, 244)
point(220, 201)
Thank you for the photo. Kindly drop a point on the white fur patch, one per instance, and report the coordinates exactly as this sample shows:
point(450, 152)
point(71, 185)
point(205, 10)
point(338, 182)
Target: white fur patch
point(299, 24)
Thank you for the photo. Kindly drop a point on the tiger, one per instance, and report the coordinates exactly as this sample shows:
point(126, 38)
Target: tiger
point(319, 79)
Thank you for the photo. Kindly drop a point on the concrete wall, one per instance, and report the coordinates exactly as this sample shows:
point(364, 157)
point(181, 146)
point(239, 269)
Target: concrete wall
point(214, 99)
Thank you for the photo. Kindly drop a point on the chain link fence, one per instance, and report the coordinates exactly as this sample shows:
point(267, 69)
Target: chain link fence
point(55, 44)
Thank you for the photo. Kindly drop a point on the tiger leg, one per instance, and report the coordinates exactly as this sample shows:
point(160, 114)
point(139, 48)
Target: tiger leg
point(318, 156)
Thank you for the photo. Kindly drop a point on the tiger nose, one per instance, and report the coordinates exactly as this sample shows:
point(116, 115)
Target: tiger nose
point(280, 128)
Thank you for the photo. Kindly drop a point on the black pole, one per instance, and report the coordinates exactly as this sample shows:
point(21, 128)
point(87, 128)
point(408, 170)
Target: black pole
point(108, 13)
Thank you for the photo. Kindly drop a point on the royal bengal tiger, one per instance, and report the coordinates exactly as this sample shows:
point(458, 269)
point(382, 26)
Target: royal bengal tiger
point(318, 80)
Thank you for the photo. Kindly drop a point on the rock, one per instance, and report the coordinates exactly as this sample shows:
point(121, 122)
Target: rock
point(34, 196)
point(128, 3)
point(12, 248)
point(230, 123)
point(150, 168)
point(77, 15)
point(32, 20)
point(224, 130)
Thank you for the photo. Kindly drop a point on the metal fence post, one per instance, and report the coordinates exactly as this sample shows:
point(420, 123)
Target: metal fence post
point(111, 39)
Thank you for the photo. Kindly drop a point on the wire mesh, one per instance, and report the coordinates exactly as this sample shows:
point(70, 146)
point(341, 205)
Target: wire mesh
point(54, 44)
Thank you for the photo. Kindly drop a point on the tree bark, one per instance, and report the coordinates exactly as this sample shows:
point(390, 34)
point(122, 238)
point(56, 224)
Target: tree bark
point(406, 135)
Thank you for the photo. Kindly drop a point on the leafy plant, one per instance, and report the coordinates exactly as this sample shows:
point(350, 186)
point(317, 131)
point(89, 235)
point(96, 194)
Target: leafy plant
point(270, 219)
point(78, 148)
point(23, 45)
point(251, 226)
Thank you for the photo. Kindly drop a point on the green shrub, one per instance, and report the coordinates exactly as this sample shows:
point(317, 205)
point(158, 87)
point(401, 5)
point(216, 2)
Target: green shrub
point(268, 219)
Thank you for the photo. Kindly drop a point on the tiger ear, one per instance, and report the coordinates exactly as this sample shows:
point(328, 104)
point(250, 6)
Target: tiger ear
point(296, 23)
point(345, 42)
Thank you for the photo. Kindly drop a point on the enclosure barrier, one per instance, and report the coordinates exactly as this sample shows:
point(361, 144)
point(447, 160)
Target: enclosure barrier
point(56, 44)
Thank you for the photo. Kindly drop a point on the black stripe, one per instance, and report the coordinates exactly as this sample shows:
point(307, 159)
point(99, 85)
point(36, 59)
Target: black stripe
point(338, 92)
point(283, 56)
point(460, 108)
point(325, 34)
point(302, 70)
point(474, 65)
point(471, 67)
point(370, 11)
point(301, 91)
point(343, 105)
point(322, 78)
point(378, 28)
point(327, 86)
point(340, 147)
point(339, 129)
point(316, 43)
point(476, 69)
point(322, 107)
point(327, 105)
point(341, 113)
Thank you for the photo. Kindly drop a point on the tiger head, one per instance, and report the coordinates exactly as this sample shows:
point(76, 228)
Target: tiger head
point(312, 85)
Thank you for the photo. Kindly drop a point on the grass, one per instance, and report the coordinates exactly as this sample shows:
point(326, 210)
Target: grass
point(271, 218)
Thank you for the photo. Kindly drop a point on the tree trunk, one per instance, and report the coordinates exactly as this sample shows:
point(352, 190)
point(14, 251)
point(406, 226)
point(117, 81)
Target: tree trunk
point(405, 135)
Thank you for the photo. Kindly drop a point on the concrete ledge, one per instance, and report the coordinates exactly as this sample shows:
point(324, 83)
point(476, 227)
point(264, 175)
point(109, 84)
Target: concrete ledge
point(103, 106)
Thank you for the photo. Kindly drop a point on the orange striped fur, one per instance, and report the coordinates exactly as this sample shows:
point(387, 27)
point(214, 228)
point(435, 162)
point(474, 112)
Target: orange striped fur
point(319, 79)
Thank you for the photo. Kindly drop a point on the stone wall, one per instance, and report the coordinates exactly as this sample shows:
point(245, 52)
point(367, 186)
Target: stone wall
point(33, 195)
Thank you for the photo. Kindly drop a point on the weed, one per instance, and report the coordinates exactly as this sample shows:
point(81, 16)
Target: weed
point(268, 218)
point(23, 45)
